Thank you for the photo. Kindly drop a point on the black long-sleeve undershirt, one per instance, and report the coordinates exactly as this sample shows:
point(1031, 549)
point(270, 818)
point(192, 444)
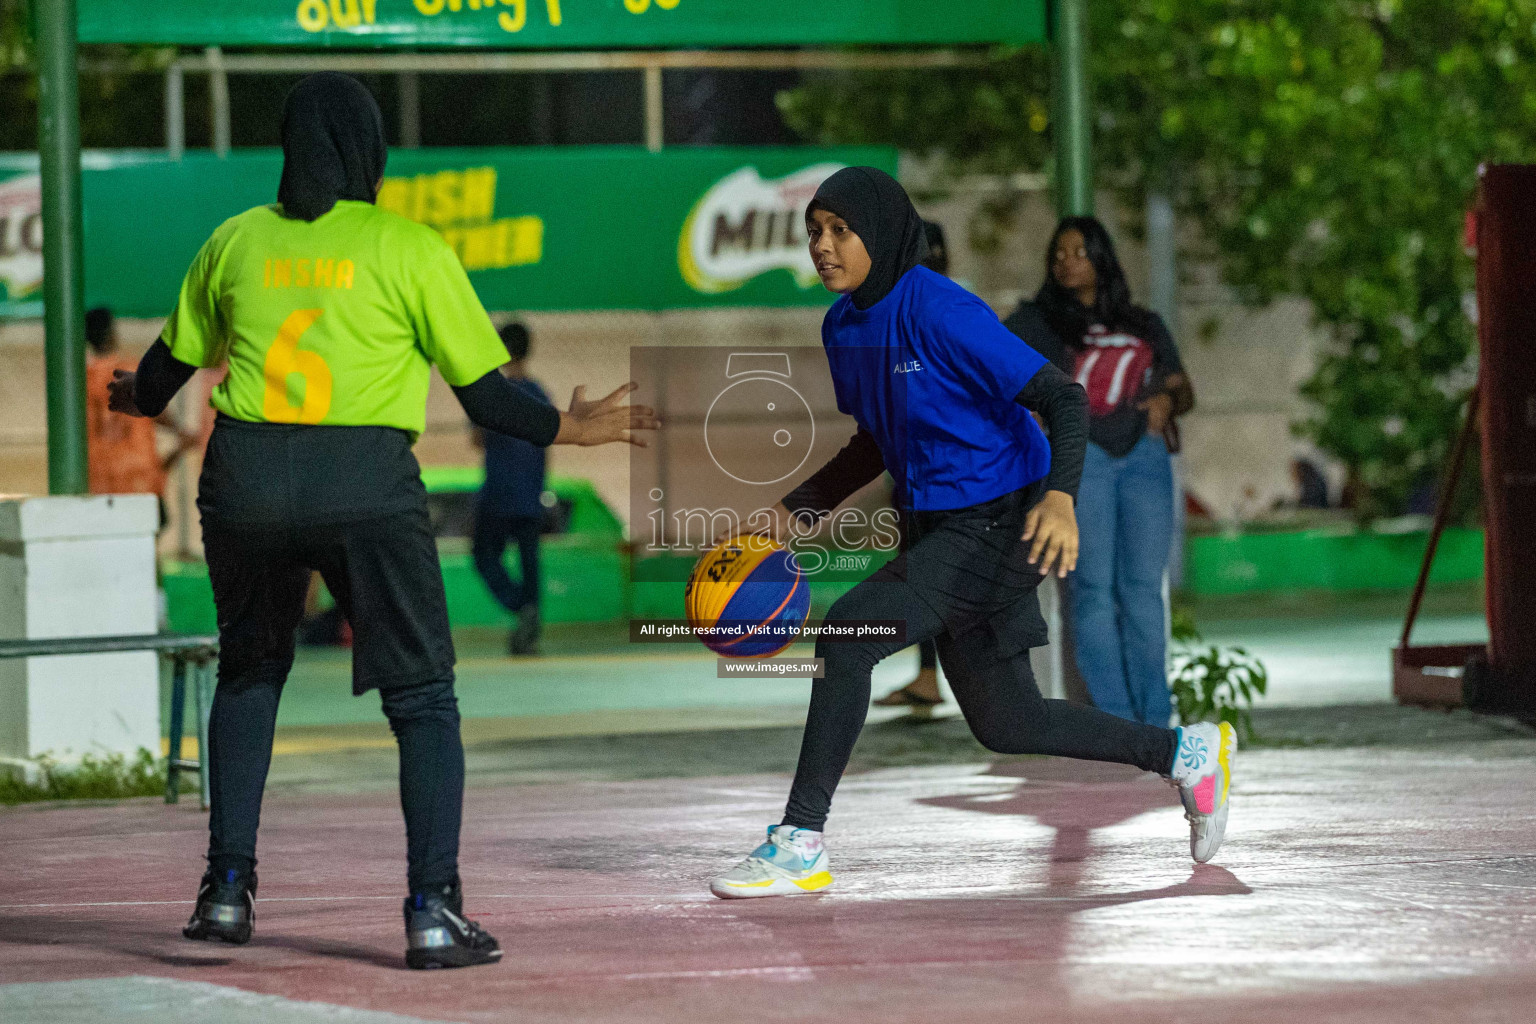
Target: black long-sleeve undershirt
point(1059, 400)
point(159, 377)
point(857, 464)
point(1063, 405)
point(495, 403)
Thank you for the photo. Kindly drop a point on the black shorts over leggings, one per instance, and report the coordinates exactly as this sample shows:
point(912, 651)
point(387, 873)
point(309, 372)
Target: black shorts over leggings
point(384, 574)
point(278, 503)
point(281, 500)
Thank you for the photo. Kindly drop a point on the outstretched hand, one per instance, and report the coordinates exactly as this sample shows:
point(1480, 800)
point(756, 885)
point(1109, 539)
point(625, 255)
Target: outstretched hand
point(606, 420)
point(120, 396)
point(1052, 525)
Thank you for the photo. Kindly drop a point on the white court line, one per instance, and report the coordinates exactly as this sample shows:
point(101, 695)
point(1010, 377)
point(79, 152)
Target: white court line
point(700, 898)
point(787, 973)
point(946, 892)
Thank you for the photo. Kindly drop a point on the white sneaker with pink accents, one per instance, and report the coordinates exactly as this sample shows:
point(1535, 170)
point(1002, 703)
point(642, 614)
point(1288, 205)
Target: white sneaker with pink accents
point(791, 861)
point(1202, 771)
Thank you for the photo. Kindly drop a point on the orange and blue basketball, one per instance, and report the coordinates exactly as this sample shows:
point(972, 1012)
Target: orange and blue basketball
point(747, 597)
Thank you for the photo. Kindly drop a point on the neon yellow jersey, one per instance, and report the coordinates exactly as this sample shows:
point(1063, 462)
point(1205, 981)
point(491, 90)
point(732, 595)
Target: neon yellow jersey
point(335, 321)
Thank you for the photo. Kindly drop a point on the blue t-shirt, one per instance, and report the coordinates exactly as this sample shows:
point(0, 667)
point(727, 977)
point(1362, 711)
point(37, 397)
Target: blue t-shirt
point(931, 372)
point(514, 469)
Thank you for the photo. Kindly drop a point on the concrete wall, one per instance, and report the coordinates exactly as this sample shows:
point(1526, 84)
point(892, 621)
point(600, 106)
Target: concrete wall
point(1245, 363)
point(569, 349)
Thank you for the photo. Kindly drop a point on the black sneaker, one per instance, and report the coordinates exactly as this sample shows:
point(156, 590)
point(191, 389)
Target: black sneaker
point(438, 935)
point(226, 908)
point(524, 639)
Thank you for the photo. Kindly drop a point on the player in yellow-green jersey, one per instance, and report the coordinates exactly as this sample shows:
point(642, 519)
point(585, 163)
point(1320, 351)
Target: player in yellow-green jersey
point(330, 314)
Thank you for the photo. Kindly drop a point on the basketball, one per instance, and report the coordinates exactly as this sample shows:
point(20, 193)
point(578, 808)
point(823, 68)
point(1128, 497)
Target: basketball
point(751, 592)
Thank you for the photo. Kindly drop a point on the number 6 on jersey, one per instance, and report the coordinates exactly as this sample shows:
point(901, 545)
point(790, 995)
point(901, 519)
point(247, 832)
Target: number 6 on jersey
point(284, 360)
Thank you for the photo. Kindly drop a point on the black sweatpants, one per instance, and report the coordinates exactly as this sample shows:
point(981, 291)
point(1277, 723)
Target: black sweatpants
point(965, 581)
point(372, 543)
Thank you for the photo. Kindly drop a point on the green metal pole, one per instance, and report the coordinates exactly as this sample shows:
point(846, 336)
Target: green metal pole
point(58, 144)
point(1074, 109)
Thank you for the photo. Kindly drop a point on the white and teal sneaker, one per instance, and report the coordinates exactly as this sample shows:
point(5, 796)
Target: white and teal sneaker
point(1202, 771)
point(791, 861)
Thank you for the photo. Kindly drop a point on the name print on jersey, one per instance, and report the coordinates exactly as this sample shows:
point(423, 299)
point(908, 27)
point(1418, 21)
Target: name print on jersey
point(309, 274)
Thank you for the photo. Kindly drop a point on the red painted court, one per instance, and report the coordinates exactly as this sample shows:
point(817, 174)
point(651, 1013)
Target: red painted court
point(1357, 885)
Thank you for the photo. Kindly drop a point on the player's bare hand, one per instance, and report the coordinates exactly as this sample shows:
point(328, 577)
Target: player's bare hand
point(1052, 527)
point(1159, 411)
point(580, 406)
point(120, 393)
point(607, 420)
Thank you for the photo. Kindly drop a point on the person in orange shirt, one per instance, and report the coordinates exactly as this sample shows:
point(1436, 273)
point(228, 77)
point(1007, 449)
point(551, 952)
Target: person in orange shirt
point(123, 457)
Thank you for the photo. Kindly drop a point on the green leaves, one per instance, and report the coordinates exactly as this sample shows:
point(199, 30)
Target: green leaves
point(1212, 683)
point(109, 777)
point(1217, 683)
point(1325, 150)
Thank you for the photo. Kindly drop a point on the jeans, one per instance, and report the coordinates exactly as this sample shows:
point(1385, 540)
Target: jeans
point(492, 533)
point(1125, 523)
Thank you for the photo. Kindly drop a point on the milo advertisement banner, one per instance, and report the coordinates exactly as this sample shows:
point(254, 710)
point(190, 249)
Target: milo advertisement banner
point(21, 245)
point(570, 228)
point(746, 226)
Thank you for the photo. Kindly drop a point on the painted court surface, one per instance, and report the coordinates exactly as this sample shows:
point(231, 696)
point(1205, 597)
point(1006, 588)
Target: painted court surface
point(1365, 884)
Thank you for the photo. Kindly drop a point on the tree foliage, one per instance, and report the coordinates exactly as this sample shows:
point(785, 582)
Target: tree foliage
point(1327, 150)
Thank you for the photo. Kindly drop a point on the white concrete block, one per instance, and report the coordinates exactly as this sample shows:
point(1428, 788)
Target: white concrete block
point(25, 518)
point(78, 567)
point(98, 586)
point(89, 704)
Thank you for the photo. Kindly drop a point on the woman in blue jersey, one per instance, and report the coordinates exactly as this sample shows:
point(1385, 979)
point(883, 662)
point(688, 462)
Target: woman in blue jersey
point(942, 395)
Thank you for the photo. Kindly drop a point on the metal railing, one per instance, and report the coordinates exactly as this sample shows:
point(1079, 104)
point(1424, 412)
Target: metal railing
point(200, 654)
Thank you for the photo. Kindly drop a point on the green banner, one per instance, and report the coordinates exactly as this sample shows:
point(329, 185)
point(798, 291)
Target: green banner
point(21, 240)
point(560, 24)
point(563, 228)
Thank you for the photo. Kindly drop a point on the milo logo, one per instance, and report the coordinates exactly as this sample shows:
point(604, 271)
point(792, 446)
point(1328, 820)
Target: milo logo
point(745, 226)
point(21, 235)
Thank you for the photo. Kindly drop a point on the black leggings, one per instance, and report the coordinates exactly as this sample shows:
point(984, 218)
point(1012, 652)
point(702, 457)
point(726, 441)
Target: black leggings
point(425, 720)
point(386, 578)
point(964, 581)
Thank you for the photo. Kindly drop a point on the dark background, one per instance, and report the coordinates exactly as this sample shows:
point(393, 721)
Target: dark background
point(126, 110)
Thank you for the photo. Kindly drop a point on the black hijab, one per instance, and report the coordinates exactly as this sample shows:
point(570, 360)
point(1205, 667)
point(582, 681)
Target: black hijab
point(879, 211)
point(333, 145)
